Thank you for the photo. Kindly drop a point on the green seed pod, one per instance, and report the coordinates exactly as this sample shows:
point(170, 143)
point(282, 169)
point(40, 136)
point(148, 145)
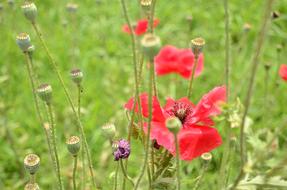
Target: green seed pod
point(109, 131)
point(32, 163)
point(24, 42)
point(197, 45)
point(72, 7)
point(173, 124)
point(73, 145)
point(30, 11)
point(150, 45)
point(45, 92)
point(32, 186)
point(77, 76)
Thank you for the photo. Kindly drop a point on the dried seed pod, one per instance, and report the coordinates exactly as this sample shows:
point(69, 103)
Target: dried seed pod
point(197, 45)
point(32, 163)
point(32, 186)
point(206, 156)
point(30, 11)
point(73, 145)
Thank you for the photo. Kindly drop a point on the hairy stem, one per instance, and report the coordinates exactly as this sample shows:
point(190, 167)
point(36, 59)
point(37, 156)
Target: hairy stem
point(67, 94)
point(116, 177)
point(125, 173)
point(177, 162)
point(255, 62)
point(74, 172)
point(192, 77)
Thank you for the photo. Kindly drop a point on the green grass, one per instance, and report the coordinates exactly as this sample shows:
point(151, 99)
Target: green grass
point(104, 55)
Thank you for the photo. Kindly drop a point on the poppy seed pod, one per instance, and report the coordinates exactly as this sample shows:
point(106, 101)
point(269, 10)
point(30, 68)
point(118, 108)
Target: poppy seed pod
point(32, 186)
point(73, 145)
point(146, 5)
point(77, 76)
point(32, 163)
point(150, 45)
point(206, 156)
point(173, 124)
point(24, 42)
point(197, 45)
point(109, 130)
point(45, 92)
point(71, 7)
point(30, 11)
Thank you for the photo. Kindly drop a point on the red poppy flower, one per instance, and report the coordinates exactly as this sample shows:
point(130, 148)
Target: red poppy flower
point(173, 60)
point(196, 135)
point(141, 27)
point(283, 72)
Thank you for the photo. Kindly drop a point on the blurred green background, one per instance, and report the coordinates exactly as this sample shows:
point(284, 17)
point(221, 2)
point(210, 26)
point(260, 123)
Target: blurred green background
point(92, 40)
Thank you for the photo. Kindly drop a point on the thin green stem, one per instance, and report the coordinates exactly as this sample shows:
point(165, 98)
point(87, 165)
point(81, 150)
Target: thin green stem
point(177, 162)
point(32, 179)
point(57, 163)
point(255, 62)
point(204, 168)
point(74, 172)
point(125, 173)
point(152, 159)
point(116, 177)
point(192, 77)
point(67, 94)
point(151, 69)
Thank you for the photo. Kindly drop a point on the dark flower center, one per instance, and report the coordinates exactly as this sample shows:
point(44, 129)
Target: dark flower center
point(180, 110)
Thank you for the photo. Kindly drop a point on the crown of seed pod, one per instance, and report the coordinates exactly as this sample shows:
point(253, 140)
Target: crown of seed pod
point(23, 41)
point(146, 5)
point(72, 7)
point(206, 156)
point(197, 45)
point(32, 186)
point(109, 130)
point(77, 76)
point(150, 45)
point(30, 11)
point(45, 92)
point(32, 163)
point(173, 124)
point(73, 145)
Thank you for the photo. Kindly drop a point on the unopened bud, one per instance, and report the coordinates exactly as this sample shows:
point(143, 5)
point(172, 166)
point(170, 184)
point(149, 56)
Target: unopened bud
point(45, 92)
point(32, 163)
point(173, 124)
point(197, 45)
point(32, 186)
point(77, 76)
point(109, 131)
point(73, 145)
point(30, 11)
point(24, 42)
point(150, 45)
point(275, 14)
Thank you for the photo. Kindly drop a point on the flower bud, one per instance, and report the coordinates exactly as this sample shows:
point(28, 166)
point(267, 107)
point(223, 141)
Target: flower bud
point(206, 156)
point(24, 42)
point(173, 124)
point(71, 7)
point(77, 76)
point(150, 45)
point(73, 145)
point(275, 14)
point(32, 163)
point(109, 130)
point(32, 186)
point(45, 92)
point(30, 11)
point(197, 45)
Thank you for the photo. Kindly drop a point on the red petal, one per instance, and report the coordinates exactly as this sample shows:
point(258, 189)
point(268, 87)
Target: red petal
point(142, 26)
point(194, 141)
point(157, 114)
point(208, 105)
point(126, 29)
point(283, 72)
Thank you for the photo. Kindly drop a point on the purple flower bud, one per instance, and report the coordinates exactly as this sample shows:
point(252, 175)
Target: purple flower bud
point(123, 150)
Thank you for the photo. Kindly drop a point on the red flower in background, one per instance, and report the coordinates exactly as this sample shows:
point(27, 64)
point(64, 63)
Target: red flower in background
point(283, 72)
point(140, 28)
point(173, 60)
point(196, 135)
